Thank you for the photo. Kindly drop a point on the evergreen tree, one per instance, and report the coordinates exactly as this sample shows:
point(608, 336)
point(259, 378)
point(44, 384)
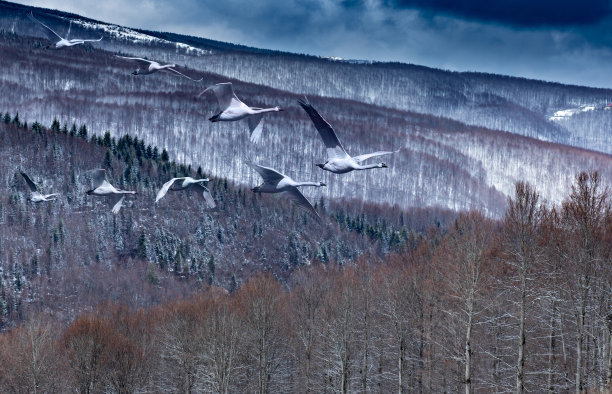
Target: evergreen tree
point(37, 128)
point(293, 250)
point(324, 255)
point(152, 276)
point(55, 126)
point(34, 265)
point(83, 132)
point(73, 130)
point(211, 270)
point(143, 247)
point(164, 156)
point(7, 118)
point(233, 284)
point(108, 160)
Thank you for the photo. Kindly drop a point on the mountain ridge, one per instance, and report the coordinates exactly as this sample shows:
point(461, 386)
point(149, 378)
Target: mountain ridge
point(434, 168)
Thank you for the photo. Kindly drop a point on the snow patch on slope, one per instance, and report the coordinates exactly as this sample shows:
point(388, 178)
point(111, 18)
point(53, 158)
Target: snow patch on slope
point(566, 113)
point(128, 34)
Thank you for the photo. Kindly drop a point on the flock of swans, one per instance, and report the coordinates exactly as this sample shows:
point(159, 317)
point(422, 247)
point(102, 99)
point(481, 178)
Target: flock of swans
point(231, 109)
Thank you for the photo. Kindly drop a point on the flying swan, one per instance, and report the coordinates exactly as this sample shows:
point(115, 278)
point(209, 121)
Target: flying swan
point(35, 195)
point(176, 184)
point(233, 109)
point(149, 67)
point(275, 182)
point(104, 188)
point(338, 161)
point(53, 36)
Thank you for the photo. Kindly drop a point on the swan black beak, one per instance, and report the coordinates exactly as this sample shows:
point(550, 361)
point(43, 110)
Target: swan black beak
point(322, 184)
point(320, 165)
point(384, 165)
point(134, 72)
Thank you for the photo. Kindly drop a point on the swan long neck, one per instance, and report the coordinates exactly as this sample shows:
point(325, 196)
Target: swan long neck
point(264, 110)
point(368, 166)
point(317, 184)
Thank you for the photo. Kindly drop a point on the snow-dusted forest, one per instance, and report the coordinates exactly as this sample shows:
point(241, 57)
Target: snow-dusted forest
point(478, 261)
point(441, 163)
point(517, 105)
point(462, 306)
point(75, 245)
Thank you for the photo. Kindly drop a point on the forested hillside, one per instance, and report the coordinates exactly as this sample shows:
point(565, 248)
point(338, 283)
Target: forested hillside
point(480, 260)
point(517, 105)
point(441, 163)
point(70, 254)
point(469, 308)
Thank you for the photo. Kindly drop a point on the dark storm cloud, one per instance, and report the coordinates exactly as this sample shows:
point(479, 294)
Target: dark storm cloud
point(534, 13)
point(560, 40)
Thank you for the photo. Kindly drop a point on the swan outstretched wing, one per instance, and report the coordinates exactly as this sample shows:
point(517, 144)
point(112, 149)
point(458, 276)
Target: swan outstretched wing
point(255, 127)
point(301, 201)
point(162, 192)
point(142, 63)
point(224, 92)
point(366, 156)
point(118, 205)
point(335, 150)
point(183, 75)
point(269, 175)
point(210, 201)
point(99, 176)
point(49, 31)
point(31, 184)
point(87, 40)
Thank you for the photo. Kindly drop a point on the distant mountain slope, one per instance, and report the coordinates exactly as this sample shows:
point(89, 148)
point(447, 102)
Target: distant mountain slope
point(442, 163)
point(517, 105)
point(73, 253)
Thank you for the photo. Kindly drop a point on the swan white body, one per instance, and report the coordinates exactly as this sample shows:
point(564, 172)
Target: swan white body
point(232, 109)
point(275, 182)
point(104, 188)
point(149, 67)
point(176, 184)
point(63, 42)
point(339, 161)
point(35, 195)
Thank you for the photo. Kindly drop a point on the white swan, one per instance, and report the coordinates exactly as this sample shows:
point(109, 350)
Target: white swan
point(149, 67)
point(104, 188)
point(35, 195)
point(338, 160)
point(275, 182)
point(53, 36)
point(231, 108)
point(183, 183)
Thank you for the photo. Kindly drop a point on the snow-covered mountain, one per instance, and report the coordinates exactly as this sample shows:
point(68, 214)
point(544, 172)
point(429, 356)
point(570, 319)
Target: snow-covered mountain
point(563, 114)
point(465, 138)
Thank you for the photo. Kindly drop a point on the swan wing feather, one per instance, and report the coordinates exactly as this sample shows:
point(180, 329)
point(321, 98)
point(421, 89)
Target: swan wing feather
point(335, 150)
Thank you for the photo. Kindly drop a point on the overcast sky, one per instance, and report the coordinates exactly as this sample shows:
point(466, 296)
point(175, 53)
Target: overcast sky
point(567, 41)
